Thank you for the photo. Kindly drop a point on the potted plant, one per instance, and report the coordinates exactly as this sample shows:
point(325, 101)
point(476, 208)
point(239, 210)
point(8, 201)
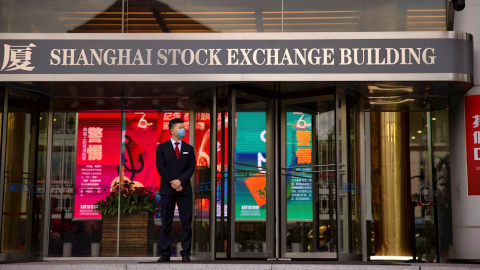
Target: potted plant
point(137, 207)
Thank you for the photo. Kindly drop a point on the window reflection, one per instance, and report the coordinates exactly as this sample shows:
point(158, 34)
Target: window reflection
point(202, 16)
point(25, 173)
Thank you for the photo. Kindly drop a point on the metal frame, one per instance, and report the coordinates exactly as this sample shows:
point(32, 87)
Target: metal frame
point(367, 193)
point(277, 183)
point(343, 234)
point(121, 173)
point(342, 165)
point(48, 184)
point(268, 77)
point(213, 177)
point(231, 173)
point(271, 203)
point(243, 36)
point(363, 179)
point(3, 151)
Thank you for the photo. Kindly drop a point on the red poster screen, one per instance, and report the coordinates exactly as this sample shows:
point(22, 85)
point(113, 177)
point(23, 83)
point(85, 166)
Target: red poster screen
point(98, 152)
point(472, 134)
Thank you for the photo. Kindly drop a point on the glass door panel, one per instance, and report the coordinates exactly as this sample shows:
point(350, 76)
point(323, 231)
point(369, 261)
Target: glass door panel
point(24, 178)
point(203, 136)
point(348, 179)
point(251, 218)
point(85, 159)
point(308, 178)
point(86, 143)
point(423, 173)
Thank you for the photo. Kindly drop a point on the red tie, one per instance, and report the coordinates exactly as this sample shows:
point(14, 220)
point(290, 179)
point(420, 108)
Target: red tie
point(177, 151)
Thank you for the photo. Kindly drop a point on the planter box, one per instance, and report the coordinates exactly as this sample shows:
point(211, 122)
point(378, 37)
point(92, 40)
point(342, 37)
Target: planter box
point(136, 235)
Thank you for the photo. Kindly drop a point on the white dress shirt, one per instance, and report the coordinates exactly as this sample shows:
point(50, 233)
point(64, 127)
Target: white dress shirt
point(179, 145)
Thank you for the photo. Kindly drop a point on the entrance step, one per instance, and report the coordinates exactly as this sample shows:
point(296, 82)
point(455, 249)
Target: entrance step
point(123, 264)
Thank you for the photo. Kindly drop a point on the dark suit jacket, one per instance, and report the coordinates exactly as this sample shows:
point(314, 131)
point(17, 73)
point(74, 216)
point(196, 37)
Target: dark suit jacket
point(170, 168)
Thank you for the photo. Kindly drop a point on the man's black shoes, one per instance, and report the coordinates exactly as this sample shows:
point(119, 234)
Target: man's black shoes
point(164, 258)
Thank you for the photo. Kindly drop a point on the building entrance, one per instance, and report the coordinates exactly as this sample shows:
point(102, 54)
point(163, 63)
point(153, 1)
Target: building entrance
point(282, 168)
point(295, 162)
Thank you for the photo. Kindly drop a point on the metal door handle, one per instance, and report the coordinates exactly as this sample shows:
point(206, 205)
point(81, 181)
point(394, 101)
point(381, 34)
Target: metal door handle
point(424, 195)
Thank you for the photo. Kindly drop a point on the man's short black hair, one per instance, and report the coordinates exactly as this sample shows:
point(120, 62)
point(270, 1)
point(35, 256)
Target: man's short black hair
point(174, 121)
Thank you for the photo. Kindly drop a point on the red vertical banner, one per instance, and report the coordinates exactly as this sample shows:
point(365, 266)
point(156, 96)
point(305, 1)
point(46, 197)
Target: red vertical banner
point(472, 134)
point(98, 155)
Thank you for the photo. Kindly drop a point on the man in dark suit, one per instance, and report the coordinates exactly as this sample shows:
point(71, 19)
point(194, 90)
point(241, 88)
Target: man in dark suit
point(176, 165)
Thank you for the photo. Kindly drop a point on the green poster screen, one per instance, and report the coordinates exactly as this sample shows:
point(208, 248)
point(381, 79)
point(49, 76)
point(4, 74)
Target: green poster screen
point(299, 162)
point(250, 158)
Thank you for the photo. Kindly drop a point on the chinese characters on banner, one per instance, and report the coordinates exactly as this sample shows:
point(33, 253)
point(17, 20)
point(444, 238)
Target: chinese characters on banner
point(299, 160)
point(472, 134)
point(98, 152)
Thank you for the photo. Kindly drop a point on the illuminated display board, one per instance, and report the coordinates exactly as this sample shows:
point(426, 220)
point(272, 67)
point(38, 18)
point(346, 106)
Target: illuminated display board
point(98, 152)
point(250, 156)
point(299, 160)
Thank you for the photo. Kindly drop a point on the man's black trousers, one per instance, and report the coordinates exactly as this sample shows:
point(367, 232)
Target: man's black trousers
point(184, 203)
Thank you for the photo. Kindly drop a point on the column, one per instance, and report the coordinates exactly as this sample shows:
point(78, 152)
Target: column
point(391, 183)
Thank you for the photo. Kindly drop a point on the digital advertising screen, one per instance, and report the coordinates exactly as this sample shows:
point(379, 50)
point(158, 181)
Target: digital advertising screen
point(299, 162)
point(98, 155)
point(98, 152)
point(250, 158)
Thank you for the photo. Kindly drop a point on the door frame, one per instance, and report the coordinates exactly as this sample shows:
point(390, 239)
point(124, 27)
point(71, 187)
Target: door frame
point(342, 127)
point(283, 186)
point(269, 167)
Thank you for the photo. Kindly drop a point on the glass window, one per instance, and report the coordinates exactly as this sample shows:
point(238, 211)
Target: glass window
point(441, 181)
point(85, 155)
point(360, 16)
point(88, 153)
point(55, 16)
point(202, 16)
